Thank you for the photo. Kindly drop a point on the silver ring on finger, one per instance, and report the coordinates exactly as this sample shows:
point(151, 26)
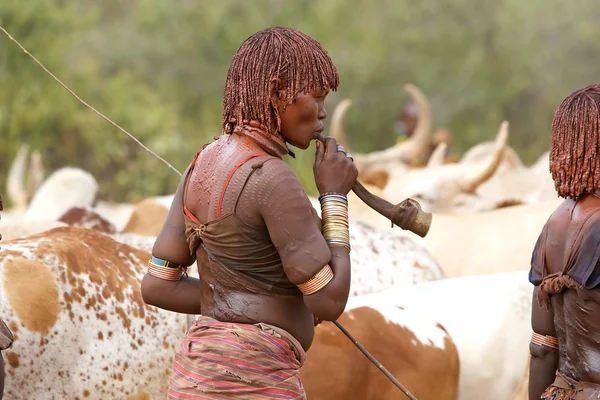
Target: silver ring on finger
point(349, 155)
point(340, 148)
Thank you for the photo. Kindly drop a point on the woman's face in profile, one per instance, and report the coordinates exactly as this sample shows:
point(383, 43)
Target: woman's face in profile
point(302, 121)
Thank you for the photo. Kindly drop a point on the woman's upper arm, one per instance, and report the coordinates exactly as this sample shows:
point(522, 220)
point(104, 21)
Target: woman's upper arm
point(287, 213)
point(171, 243)
point(544, 359)
point(542, 323)
point(542, 320)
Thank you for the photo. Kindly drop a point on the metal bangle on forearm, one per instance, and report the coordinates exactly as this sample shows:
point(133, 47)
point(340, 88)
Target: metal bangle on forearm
point(317, 282)
point(334, 214)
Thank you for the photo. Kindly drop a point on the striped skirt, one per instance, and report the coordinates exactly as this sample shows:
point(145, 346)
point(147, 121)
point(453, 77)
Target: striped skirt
point(566, 388)
point(224, 360)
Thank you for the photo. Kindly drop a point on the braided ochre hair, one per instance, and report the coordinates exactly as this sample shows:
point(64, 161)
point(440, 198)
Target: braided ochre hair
point(575, 143)
point(300, 62)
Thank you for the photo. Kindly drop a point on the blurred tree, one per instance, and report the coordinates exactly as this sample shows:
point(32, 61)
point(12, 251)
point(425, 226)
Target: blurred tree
point(157, 68)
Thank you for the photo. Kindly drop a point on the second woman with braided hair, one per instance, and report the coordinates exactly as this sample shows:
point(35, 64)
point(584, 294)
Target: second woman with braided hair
point(565, 265)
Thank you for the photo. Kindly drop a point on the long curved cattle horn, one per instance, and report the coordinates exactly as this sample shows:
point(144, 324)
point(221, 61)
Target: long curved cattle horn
point(438, 156)
point(484, 171)
point(337, 123)
point(421, 136)
point(14, 182)
point(35, 177)
point(409, 150)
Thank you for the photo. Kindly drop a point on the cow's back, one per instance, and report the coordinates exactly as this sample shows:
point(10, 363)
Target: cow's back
point(415, 350)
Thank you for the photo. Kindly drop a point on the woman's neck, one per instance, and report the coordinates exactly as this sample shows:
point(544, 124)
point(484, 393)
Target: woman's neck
point(273, 144)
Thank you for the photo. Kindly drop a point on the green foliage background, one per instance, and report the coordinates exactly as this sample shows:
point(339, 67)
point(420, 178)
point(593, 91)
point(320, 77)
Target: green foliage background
point(157, 68)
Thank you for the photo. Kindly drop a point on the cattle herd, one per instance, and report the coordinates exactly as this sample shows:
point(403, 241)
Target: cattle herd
point(448, 315)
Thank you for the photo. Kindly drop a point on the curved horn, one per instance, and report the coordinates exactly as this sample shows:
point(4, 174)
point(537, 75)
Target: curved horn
point(14, 182)
point(35, 176)
point(422, 133)
point(438, 156)
point(337, 123)
point(412, 149)
point(484, 171)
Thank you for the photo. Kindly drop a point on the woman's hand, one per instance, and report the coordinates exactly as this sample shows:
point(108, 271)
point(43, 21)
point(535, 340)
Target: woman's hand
point(334, 171)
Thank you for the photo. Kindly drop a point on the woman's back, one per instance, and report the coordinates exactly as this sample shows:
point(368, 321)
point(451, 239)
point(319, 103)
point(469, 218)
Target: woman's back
point(245, 281)
point(222, 212)
point(577, 321)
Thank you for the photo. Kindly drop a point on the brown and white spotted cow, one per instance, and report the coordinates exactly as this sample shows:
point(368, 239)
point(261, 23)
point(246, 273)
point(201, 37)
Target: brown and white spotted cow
point(71, 297)
point(414, 348)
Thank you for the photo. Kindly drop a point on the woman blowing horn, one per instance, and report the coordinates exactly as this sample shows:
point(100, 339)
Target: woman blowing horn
point(565, 265)
point(268, 273)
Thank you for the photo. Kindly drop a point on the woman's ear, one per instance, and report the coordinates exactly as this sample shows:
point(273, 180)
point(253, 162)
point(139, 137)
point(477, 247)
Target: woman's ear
point(276, 93)
point(277, 99)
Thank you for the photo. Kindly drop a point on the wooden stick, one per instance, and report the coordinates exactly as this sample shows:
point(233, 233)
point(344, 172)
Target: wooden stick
point(375, 362)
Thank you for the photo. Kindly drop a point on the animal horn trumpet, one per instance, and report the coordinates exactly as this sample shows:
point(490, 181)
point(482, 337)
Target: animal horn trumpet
point(407, 214)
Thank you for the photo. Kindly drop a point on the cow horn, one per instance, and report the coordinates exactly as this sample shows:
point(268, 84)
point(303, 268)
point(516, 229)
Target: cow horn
point(14, 182)
point(337, 123)
point(438, 156)
point(421, 136)
point(487, 168)
point(410, 150)
point(35, 176)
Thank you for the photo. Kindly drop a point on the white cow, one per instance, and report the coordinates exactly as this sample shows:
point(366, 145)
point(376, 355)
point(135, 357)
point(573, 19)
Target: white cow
point(480, 243)
point(449, 188)
point(491, 242)
point(488, 318)
point(381, 260)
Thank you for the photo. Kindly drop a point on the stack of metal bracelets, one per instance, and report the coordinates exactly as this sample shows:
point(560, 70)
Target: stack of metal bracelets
point(166, 270)
point(334, 212)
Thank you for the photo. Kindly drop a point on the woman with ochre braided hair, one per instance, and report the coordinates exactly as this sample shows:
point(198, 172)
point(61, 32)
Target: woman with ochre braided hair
point(565, 269)
point(269, 269)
